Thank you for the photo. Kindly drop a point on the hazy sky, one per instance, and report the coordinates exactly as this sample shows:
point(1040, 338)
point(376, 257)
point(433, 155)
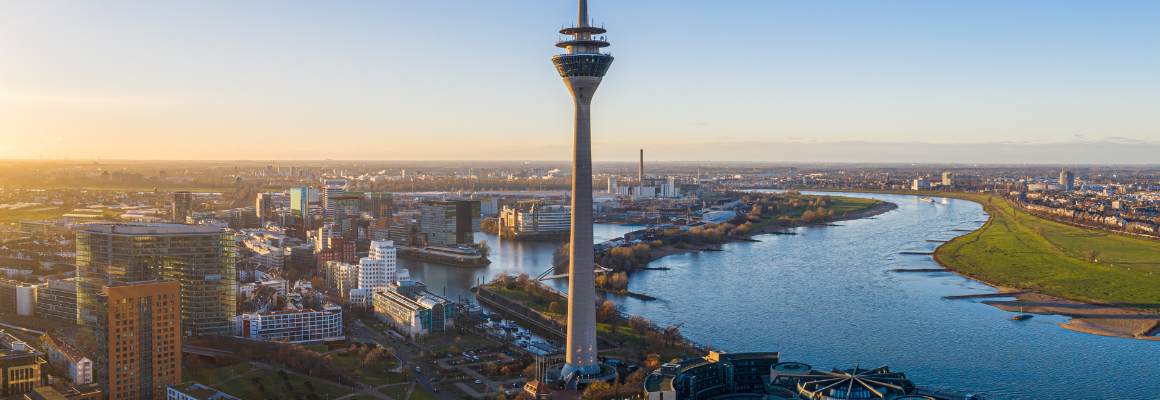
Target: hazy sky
point(471, 79)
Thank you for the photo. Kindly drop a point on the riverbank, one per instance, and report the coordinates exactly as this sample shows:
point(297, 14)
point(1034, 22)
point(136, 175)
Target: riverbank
point(1115, 293)
point(844, 209)
point(1087, 318)
point(874, 210)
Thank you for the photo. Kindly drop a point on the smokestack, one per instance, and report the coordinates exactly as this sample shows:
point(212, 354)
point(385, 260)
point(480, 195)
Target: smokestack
point(640, 170)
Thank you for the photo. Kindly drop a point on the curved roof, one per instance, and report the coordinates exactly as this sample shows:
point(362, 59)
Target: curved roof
point(857, 384)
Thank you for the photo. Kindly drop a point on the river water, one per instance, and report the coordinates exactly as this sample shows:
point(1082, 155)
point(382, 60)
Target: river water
point(827, 297)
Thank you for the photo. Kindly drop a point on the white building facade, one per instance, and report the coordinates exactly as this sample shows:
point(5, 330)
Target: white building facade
point(293, 326)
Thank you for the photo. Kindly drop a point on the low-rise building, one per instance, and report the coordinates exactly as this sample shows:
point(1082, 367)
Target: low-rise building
point(293, 326)
point(65, 357)
point(196, 391)
point(535, 220)
point(57, 299)
point(408, 307)
point(17, 298)
point(21, 367)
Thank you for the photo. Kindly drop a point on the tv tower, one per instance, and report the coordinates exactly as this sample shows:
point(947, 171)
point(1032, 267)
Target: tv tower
point(582, 66)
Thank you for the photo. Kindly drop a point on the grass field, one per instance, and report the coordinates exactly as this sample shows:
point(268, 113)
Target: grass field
point(242, 380)
point(374, 375)
point(842, 204)
point(1019, 250)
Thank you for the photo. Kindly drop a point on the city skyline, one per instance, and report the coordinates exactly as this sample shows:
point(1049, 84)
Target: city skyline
point(255, 81)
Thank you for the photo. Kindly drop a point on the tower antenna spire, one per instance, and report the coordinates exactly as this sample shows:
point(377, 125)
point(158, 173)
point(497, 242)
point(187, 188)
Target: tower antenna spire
point(582, 20)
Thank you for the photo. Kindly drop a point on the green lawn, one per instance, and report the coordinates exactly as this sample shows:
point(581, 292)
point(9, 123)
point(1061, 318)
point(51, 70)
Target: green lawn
point(1020, 250)
point(238, 380)
point(374, 375)
point(842, 204)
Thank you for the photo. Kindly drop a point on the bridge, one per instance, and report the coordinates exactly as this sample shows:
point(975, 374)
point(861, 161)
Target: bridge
point(548, 274)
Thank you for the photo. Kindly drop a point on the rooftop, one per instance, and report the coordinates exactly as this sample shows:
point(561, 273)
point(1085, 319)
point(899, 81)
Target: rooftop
point(202, 392)
point(149, 229)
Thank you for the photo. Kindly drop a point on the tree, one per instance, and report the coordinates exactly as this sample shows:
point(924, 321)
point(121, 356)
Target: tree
point(606, 312)
point(1093, 255)
point(555, 307)
point(596, 390)
point(638, 323)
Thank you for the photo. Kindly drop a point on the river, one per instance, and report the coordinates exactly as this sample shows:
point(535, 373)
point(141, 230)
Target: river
point(827, 297)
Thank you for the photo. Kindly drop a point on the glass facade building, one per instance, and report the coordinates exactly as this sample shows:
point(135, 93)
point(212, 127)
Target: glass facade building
point(200, 258)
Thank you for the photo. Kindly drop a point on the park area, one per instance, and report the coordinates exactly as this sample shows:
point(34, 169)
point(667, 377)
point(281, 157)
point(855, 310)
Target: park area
point(1018, 250)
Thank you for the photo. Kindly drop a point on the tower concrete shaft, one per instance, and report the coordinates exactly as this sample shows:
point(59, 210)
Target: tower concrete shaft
point(582, 67)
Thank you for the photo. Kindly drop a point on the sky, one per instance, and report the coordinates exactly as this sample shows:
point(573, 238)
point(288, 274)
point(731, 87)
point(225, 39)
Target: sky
point(751, 80)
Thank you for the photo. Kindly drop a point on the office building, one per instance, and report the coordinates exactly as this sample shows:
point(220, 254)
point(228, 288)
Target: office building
point(21, 367)
point(196, 391)
point(721, 375)
point(535, 221)
point(300, 204)
point(182, 207)
point(341, 278)
point(139, 339)
point(264, 207)
point(356, 282)
point(404, 228)
point(346, 215)
point(301, 326)
point(1066, 180)
point(57, 300)
point(331, 190)
point(377, 204)
point(408, 307)
point(449, 223)
point(920, 184)
point(948, 179)
point(17, 298)
point(200, 258)
point(582, 66)
point(65, 357)
point(716, 374)
point(378, 270)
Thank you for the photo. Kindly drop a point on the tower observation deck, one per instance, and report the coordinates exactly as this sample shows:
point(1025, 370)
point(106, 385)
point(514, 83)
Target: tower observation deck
point(582, 55)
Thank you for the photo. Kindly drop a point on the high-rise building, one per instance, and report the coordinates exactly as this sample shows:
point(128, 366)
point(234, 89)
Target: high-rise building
point(346, 215)
point(199, 257)
point(139, 339)
point(1066, 180)
point(377, 204)
point(182, 207)
point(449, 223)
point(356, 282)
point(404, 227)
point(300, 204)
point(331, 189)
point(264, 207)
point(582, 66)
point(948, 179)
point(21, 368)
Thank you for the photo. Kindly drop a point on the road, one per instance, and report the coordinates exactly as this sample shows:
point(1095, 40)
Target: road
point(404, 352)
